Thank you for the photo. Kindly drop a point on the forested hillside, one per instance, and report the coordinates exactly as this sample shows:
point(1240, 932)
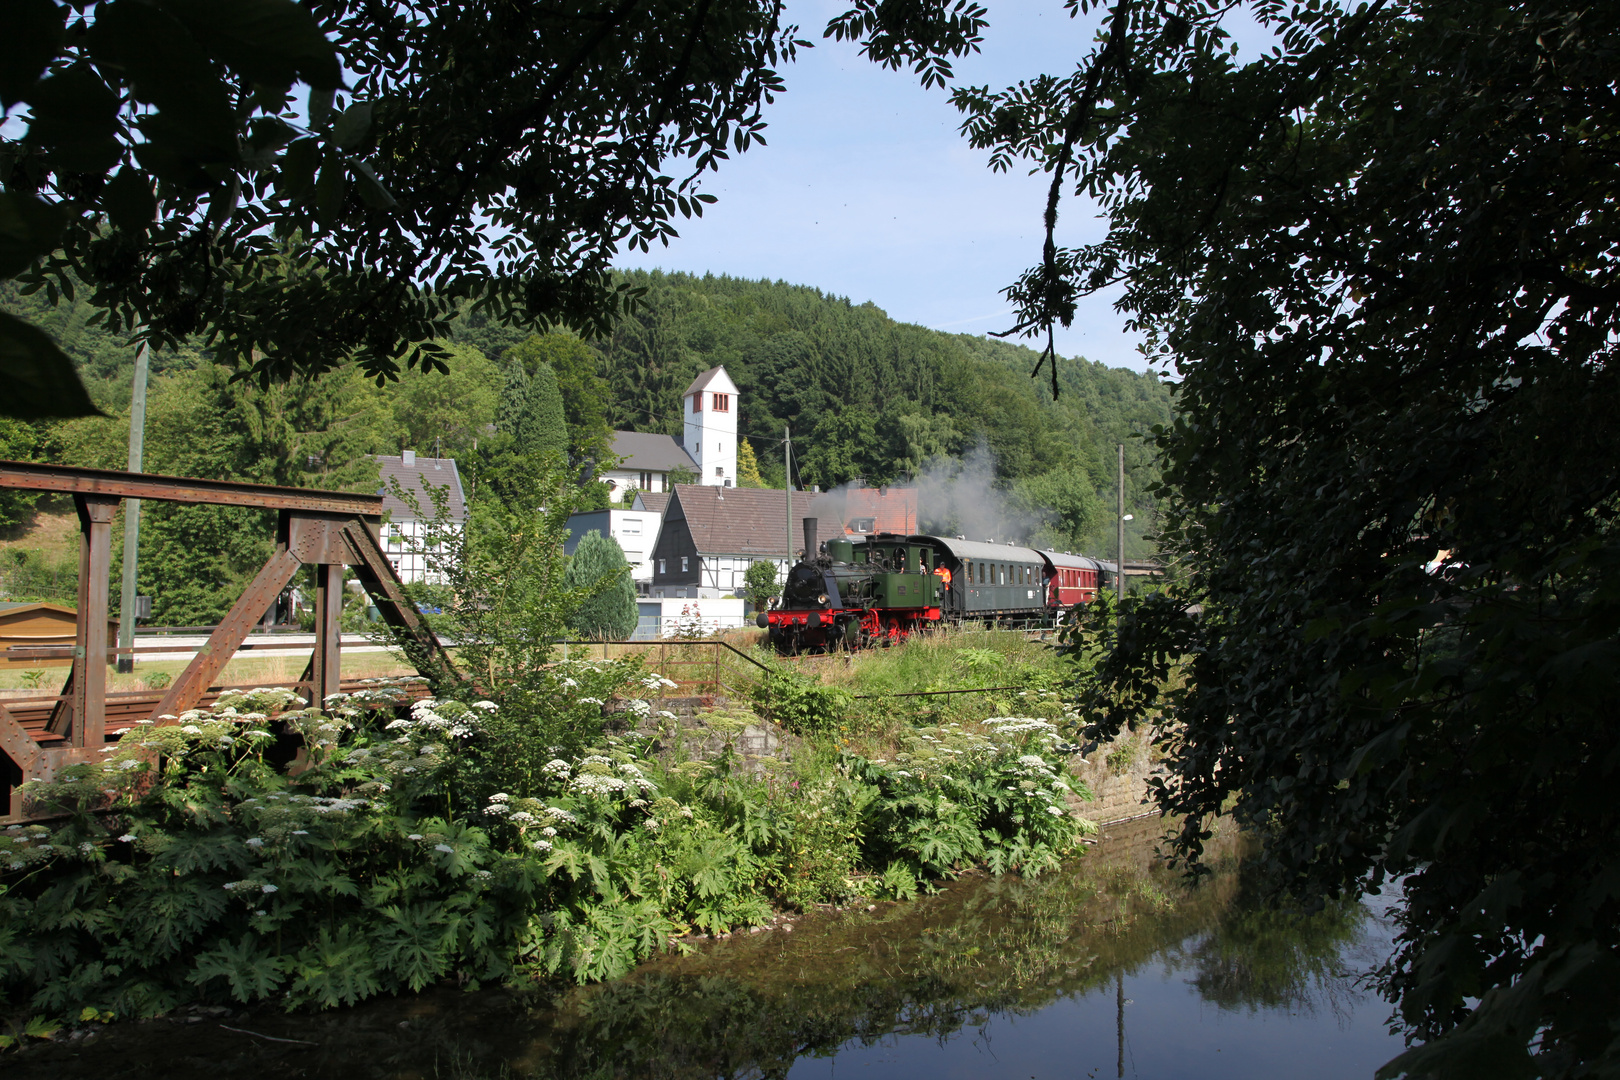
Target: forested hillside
point(866, 396)
point(863, 395)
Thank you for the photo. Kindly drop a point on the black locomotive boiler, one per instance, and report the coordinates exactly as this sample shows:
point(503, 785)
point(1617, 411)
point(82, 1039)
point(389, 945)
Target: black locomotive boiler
point(882, 588)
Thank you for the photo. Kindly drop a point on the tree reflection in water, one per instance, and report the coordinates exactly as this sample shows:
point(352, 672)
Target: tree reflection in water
point(752, 1006)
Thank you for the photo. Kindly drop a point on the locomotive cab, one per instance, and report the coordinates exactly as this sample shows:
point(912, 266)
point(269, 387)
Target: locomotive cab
point(855, 592)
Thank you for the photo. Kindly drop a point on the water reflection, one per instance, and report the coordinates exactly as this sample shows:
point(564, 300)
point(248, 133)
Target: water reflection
point(1107, 970)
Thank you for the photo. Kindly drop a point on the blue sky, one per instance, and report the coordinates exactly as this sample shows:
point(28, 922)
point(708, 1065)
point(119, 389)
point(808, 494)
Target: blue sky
point(868, 190)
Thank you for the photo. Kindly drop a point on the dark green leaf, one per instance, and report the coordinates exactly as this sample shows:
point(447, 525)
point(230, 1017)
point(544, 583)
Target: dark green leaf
point(38, 378)
point(29, 228)
point(33, 31)
point(351, 128)
point(76, 120)
point(372, 190)
point(169, 69)
point(272, 42)
point(129, 201)
point(329, 191)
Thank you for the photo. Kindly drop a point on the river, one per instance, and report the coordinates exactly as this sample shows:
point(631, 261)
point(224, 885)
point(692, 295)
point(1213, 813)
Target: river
point(1108, 969)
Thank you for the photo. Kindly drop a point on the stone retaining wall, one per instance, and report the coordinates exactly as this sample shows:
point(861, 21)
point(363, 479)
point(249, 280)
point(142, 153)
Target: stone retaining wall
point(1117, 773)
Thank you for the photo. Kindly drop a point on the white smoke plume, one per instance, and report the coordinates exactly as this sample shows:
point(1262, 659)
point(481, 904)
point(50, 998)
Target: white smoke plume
point(960, 498)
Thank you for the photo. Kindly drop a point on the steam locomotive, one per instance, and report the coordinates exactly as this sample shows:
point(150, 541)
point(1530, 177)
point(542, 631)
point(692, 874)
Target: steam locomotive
point(879, 589)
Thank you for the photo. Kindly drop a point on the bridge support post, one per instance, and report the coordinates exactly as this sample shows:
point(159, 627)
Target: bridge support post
point(89, 701)
point(326, 663)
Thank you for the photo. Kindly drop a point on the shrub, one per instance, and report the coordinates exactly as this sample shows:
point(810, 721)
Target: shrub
point(957, 797)
point(600, 574)
point(802, 706)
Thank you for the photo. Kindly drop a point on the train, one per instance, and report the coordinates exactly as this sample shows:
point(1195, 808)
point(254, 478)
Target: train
point(857, 591)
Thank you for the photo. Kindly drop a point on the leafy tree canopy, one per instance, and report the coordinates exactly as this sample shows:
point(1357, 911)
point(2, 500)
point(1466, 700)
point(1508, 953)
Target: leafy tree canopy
point(306, 184)
point(1383, 258)
point(573, 364)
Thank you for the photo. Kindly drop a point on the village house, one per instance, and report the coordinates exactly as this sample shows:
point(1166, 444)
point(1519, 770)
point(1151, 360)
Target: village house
point(707, 450)
point(635, 529)
point(711, 535)
point(645, 462)
point(404, 531)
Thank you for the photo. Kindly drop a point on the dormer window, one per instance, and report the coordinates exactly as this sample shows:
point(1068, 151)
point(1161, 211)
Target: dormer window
point(722, 402)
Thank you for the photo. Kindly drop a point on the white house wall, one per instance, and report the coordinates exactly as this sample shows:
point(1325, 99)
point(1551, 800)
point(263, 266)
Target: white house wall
point(403, 542)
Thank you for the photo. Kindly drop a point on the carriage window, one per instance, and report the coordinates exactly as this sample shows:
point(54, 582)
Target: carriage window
point(981, 573)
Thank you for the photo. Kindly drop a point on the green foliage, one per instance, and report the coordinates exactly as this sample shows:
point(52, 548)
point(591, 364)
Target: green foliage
point(598, 566)
point(415, 845)
point(879, 399)
point(1381, 258)
point(443, 412)
point(36, 574)
point(195, 560)
point(761, 581)
point(583, 391)
point(957, 797)
point(18, 442)
point(232, 881)
point(498, 583)
point(188, 206)
point(748, 466)
point(800, 704)
point(531, 411)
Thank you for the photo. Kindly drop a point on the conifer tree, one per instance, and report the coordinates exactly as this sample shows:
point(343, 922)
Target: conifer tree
point(546, 422)
point(611, 611)
point(532, 411)
point(748, 467)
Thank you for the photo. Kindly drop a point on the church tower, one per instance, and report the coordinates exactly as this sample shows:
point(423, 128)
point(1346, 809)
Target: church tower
point(711, 427)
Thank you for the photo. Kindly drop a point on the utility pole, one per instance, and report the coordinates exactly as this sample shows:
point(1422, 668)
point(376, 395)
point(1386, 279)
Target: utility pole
point(1119, 1017)
point(787, 482)
point(132, 513)
point(1120, 566)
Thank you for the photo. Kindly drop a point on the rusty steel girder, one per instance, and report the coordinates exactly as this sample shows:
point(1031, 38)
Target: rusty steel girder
point(324, 529)
point(36, 476)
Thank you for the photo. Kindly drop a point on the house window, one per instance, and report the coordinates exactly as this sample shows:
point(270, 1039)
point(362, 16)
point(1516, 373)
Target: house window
point(646, 481)
point(863, 525)
point(683, 564)
point(697, 402)
point(394, 537)
point(630, 527)
point(719, 470)
point(722, 403)
point(660, 566)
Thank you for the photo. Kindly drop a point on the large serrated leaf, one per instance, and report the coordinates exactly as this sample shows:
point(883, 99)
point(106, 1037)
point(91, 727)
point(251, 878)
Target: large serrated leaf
point(29, 228)
point(33, 36)
point(37, 379)
point(272, 42)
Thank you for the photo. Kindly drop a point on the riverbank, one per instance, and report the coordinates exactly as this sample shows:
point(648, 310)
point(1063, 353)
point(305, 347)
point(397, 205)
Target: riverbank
point(209, 863)
point(934, 978)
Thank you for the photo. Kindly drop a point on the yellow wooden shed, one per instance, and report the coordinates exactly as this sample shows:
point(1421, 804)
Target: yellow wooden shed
point(25, 625)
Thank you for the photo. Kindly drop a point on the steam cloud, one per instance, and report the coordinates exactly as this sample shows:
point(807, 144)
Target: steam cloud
point(960, 498)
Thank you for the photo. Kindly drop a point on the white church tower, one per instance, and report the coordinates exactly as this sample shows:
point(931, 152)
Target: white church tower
point(711, 427)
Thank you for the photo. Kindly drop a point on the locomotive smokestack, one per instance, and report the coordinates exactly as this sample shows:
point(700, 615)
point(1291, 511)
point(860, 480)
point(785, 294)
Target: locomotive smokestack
point(809, 537)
